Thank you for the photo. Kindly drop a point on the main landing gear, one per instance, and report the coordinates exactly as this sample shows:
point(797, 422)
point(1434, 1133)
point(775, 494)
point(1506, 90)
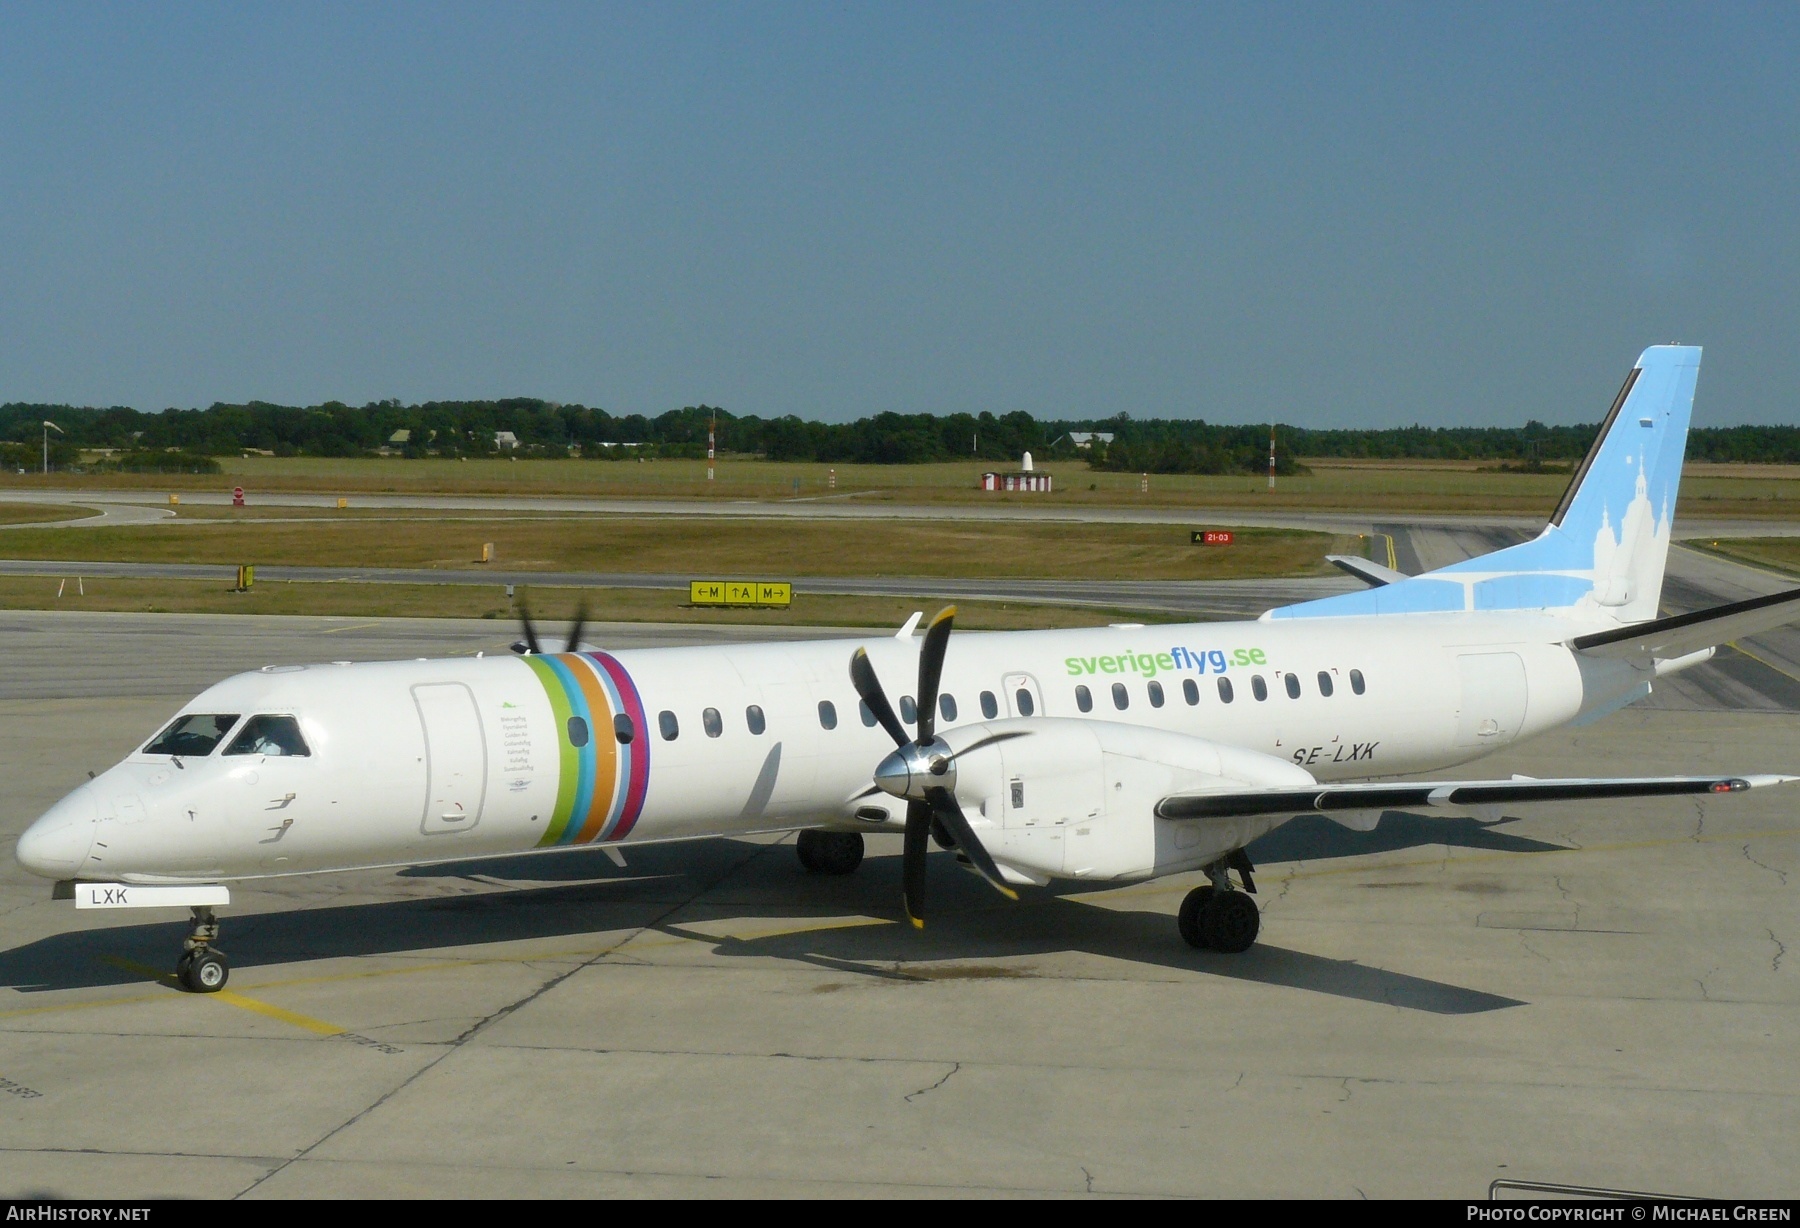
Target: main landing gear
point(830, 852)
point(202, 967)
point(1219, 917)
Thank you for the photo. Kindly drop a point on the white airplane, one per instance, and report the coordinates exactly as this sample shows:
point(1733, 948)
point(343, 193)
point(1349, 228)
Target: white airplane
point(1094, 755)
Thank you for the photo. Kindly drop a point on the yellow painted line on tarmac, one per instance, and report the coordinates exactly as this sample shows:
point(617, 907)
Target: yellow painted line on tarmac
point(233, 998)
point(759, 935)
point(1393, 562)
point(317, 1026)
point(83, 1006)
point(354, 627)
point(1770, 664)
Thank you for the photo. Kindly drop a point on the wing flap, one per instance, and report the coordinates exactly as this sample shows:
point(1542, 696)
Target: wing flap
point(1445, 794)
point(1666, 638)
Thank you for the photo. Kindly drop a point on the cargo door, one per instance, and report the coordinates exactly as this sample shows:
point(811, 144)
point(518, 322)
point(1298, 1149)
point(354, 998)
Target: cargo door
point(1493, 698)
point(455, 757)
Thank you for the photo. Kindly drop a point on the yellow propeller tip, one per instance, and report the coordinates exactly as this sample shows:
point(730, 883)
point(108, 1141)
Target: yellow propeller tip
point(917, 922)
point(1009, 893)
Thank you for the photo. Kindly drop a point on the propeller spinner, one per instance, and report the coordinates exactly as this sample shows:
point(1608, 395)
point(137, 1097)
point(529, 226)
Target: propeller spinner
point(922, 769)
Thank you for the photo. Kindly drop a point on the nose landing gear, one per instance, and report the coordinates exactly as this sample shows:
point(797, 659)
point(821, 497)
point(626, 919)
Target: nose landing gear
point(202, 967)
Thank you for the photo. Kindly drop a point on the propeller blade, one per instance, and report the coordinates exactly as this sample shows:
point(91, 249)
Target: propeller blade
point(575, 630)
point(949, 813)
point(912, 866)
point(531, 639)
point(931, 668)
point(1008, 736)
point(862, 677)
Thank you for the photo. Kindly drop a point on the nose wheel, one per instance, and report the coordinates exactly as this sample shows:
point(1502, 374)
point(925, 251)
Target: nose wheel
point(202, 967)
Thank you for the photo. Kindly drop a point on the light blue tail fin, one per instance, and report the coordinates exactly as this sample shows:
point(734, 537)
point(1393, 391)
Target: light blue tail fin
point(1606, 544)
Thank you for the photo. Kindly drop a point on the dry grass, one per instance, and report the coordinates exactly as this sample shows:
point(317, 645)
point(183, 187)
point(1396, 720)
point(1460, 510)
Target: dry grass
point(719, 548)
point(1412, 486)
point(1778, 553)
point(39, 513)
point(551, 607)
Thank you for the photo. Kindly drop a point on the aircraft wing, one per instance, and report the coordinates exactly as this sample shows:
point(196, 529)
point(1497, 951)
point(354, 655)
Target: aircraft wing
point(1372, 574)
point(1444, 794)
point(1666, 638)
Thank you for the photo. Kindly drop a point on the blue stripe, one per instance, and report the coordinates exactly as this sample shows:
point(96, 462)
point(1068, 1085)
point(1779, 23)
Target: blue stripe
point(584, 782)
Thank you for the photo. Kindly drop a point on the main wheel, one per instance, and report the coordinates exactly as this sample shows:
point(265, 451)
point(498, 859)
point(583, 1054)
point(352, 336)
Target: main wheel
point(203, 971)
point(1188, 920)
point(830, 852)
point(1230, 922)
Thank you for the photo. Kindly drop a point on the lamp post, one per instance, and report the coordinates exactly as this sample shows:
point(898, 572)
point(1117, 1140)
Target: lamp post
point(48, 427)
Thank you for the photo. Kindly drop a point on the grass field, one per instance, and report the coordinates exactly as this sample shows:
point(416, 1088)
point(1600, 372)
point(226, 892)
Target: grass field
point(551, 608)
point(36, 513)
point(1779, 553)
point(712, 549)
point(1423, 486)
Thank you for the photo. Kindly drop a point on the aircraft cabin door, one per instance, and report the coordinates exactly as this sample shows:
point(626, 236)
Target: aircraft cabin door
point(455, 757)
point(1023, 698)
point(1493, 698)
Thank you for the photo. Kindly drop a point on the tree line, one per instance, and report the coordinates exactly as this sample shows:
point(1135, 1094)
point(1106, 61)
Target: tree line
point(531, 427)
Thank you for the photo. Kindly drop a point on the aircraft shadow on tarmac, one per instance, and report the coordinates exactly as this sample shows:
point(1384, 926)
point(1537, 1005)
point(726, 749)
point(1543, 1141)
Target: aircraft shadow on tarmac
point(687, 890)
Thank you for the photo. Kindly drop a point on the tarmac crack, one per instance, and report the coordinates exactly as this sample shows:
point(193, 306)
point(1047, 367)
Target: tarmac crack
point(954, 1067)
point(1526, 943)
point(1780, 874)
point(1780, 951)
point(511, 1008)
point(1089, 1177)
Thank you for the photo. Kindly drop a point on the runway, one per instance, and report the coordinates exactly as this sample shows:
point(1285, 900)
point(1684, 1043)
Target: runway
point(1581, 996)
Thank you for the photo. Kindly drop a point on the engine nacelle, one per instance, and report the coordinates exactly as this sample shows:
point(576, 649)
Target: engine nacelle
point(1074, 799)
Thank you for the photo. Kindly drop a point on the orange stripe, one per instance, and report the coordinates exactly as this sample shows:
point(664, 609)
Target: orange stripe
point(606, 749)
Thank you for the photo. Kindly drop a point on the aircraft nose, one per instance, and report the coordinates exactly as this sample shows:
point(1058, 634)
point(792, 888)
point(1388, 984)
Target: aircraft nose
point(57, 845)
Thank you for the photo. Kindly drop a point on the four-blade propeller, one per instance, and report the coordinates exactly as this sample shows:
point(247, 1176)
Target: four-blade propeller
point(923, 769)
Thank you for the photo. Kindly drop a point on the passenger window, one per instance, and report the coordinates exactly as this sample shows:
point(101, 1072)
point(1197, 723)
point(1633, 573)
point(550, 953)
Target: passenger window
point(191, 735)
point(1356, 681)
point(753, 717)
point(1156, 695)
point(269, 735)
point(947, 706)
point(1121, 697)
point(709, 721)
point(578, 732)
point(1258, 687)
point(990, 707)
point(671, 728)
point(1292, 682)
point(623, 729)
point(1084, 699)
point(868, 717)
point(827, 714)
point(1190, 691)
point(1325, 683)
point(909, 709)
point(1026, 705)
point(1225, 695)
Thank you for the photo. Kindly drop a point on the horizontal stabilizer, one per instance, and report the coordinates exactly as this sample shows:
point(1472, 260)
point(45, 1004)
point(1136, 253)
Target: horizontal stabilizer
point(1372, 574)
point(1666, 638)
point(1445, 794)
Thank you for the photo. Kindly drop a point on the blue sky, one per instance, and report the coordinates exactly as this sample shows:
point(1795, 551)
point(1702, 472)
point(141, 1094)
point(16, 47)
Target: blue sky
point(1334, 215)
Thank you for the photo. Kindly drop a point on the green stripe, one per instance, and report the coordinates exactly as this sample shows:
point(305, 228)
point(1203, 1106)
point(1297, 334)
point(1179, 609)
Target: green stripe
point(569, 761)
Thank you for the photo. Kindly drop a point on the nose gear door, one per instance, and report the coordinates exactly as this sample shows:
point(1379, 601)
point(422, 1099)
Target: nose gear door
point(455, 757)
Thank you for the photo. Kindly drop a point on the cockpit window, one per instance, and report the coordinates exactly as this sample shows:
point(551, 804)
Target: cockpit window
point(194, 734)
point(269, 735)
